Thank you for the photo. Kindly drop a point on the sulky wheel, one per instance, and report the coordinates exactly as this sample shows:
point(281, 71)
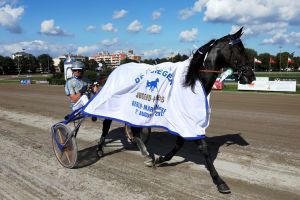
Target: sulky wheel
point(64, 145)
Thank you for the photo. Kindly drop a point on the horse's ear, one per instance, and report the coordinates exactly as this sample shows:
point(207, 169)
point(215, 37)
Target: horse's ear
point(237, 35)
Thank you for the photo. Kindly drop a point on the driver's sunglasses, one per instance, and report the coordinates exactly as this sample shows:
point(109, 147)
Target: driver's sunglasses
point(77, 70)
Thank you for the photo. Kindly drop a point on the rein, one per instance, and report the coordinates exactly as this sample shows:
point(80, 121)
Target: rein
point(211, 71)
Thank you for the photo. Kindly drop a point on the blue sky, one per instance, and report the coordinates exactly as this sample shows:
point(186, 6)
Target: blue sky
point(152, 28)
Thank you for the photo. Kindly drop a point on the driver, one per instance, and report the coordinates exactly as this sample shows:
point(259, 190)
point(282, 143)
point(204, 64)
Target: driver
point(77, 86)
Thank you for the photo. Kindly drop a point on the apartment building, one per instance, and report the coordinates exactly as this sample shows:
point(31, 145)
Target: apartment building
point(114, 59)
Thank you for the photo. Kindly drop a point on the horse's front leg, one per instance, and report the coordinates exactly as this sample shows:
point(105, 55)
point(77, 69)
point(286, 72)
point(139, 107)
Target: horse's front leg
point(141, 145)
point(222, 186)
point(169, 156)
point(105, 130)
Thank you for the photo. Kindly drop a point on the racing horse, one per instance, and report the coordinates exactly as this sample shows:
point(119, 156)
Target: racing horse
point(205, 65)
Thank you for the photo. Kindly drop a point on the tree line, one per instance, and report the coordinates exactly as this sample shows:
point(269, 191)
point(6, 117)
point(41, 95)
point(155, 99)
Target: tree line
point(44, 63)
point(278, 62)
point(26, 64)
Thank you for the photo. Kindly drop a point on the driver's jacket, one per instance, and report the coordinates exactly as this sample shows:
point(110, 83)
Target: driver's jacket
point(76, 85)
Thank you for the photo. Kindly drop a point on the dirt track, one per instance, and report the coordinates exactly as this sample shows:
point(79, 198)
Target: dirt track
point(254, 139)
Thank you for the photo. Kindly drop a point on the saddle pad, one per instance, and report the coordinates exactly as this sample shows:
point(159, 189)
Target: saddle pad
point(153, 96)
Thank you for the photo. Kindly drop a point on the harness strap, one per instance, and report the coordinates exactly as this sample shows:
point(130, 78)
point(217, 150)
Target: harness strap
point(211, 71)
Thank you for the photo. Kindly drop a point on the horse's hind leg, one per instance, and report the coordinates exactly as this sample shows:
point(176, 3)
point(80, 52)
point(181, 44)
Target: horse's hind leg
point(222, 186)
point(105, 130)
point(141, 145)
point(169, 156)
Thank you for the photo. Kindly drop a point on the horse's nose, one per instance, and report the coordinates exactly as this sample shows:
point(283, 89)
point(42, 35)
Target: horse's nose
point(244, 80)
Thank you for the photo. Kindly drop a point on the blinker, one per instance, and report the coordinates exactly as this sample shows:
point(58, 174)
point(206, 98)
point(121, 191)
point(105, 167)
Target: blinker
point(235, 41)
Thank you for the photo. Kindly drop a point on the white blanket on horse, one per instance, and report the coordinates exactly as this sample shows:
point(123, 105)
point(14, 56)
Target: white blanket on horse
point(153, 96)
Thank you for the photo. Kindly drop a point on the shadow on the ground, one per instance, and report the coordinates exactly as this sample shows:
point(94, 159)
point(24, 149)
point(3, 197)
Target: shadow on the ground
point(160, 143)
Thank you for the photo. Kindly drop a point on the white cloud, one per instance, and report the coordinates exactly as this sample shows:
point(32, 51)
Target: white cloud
point(282, 38)
point(90, 28)
point(109, 27)
point(48, 28)
point(251, 12)
point(185, 13)
point(188, 12)
point(156, 14)
point(273, 17)
point(189, 36)
point(36, 47)
point(88, 50)
point(9, 18)
point(110, 42)
point(119, 14)
point(154, 29)
point(134, 26)
point(155, 53)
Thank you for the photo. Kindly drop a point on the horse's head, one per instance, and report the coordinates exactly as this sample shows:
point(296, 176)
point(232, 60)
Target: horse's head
point(229, 52)
point(208, 60)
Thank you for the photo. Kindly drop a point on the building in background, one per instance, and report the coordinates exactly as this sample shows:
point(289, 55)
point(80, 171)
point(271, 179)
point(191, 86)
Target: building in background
point(20, 54)
point(114, 59)
point(57, 60)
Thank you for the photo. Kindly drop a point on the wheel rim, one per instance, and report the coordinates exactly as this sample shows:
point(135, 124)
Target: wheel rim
point(64, 146)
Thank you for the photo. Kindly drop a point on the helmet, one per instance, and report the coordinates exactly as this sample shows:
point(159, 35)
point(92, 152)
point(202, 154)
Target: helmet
point(77, 65)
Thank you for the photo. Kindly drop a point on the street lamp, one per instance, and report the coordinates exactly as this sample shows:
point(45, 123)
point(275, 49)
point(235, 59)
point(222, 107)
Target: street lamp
point(18, 64)
point(18, 55)
point(48, 63)
point(280, 57)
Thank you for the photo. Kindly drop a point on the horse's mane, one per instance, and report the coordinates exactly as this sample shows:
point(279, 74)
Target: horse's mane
point(197, 63)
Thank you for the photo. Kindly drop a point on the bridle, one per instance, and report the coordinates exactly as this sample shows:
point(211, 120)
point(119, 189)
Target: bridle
point(211, 71)
point(232, 42)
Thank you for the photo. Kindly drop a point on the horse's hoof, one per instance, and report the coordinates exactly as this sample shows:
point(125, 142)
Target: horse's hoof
point(148, 161)
point(223, 188)
point(160, 160)
point(100, 152)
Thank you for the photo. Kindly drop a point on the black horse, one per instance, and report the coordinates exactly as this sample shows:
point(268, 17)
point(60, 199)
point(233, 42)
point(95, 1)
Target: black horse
point(205, 65)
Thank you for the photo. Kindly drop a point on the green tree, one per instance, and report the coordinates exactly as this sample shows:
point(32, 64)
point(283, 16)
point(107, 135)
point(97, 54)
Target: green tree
point(178, 58)
point(283, 60)
point(127, 60)
point(149, 61)
point(29, 63)
point(61, 66)
point(1, 65)
point(7, 65)
point(93, 65)
point(46, 63)
point(251, 53)
point(86, 63)
point(264, 58)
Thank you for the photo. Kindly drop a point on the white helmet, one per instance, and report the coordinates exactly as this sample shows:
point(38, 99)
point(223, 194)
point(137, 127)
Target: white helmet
point(77, 65)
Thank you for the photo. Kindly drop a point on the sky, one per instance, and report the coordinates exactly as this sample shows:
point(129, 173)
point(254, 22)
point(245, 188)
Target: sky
point(151, 28)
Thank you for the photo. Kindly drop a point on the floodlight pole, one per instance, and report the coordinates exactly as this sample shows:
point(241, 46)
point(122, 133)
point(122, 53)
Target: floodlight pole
point(280, 57)
point(18, 65)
